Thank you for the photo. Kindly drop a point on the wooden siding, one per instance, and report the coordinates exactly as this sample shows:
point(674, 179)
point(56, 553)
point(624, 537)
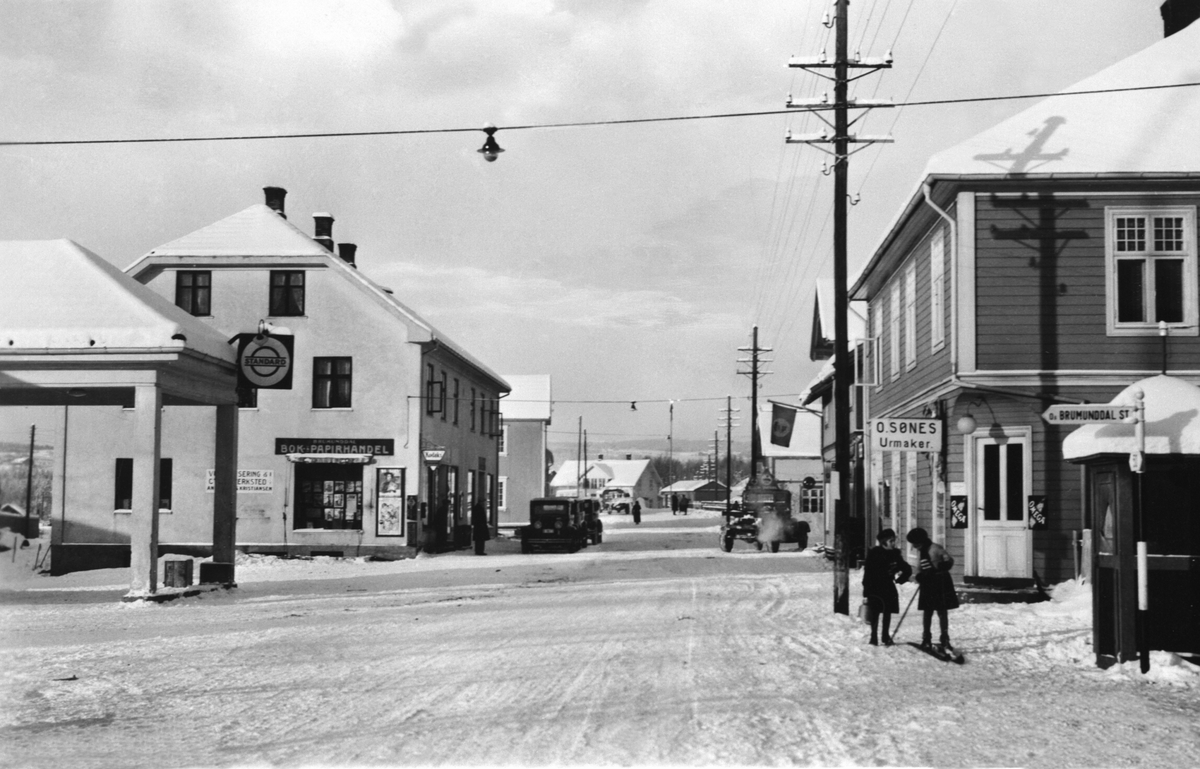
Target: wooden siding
point(1040, 287)
point(931, 367)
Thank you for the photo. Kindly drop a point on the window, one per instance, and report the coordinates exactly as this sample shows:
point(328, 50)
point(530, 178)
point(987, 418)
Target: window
point(247, 397)
point(435, 392)
point(813, 500)
point(937, 290)
point(123, 484)
point(910, 315)
point(329, 496)
point(193, 292)
point(1151, 273)
point(455, 400)
point(894, 331)
point(123, 488)
point(502, 492)
point(504, 441)
point(442, 396)
point(287, 292)
point(331, 383)
point(472, 409)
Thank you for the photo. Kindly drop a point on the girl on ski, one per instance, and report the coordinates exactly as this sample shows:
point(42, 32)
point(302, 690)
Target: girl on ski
point(937, 588)
point(884, 567)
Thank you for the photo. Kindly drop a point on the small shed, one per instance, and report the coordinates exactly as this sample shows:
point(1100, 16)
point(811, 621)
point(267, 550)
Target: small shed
point(1159, 507)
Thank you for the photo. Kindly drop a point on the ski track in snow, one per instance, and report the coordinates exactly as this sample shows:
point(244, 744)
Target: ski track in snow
point(610, 656)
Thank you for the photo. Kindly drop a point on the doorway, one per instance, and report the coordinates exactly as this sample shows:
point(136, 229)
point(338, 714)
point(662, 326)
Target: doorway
point(1003, 477)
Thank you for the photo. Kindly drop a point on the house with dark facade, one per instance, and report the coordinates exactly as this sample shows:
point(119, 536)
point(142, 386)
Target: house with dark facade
point(386, 436)
point(524, 459)
point(1052, 259)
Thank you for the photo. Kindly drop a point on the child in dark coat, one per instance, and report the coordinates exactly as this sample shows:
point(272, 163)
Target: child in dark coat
point(884, 567)
point(937, 588)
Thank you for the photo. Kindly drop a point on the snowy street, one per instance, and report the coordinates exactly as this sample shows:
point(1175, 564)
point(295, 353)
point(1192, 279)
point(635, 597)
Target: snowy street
point(652, 648)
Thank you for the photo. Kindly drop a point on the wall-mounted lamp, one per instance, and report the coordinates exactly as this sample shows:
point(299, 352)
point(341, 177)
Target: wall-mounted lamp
point(490, 149)
point(965, 424)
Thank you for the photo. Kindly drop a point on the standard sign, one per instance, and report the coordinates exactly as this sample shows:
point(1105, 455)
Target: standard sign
point(1081, 415)
point(907, 434)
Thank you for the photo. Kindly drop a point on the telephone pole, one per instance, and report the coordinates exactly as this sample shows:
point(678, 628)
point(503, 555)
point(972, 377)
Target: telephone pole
point(728, 424)
point(841, 139)
point(755, 373)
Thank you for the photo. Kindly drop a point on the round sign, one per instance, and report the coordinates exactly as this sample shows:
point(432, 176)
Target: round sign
point(265, 361)
point(780, 428)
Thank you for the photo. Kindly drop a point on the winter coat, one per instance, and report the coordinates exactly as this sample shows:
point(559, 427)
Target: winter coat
point(883, 568)
point(933, 575)
point(480, 531)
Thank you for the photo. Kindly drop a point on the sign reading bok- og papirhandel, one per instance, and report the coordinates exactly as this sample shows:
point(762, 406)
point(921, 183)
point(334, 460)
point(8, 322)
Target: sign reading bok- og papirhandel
point(907, 434)
point(264, 361)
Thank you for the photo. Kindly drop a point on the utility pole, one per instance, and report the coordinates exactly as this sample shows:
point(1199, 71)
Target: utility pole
point(755, 373)
point(29, 484)
point(729, 410)
point(841, 139)
point(579, 457)
point(716, 455)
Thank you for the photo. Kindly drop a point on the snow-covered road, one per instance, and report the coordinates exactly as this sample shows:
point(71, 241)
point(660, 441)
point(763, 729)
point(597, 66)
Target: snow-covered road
point(653, 648)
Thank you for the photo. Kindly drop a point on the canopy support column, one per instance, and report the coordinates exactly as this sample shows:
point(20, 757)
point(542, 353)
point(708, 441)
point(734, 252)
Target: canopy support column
point(221, 569)
point(147, 449)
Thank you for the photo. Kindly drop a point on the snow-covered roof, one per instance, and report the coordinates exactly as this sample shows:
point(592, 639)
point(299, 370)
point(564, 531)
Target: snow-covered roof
point(1172, 422)
point(691, 485)
point(256, 231)
point(529, 399)
point(57, 296)
point(259, 231)
point(1131, 132)
point(823, 316)
point(618, 472)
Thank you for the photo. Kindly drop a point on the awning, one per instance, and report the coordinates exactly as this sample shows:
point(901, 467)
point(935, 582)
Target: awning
point(1172, 423)
point(331, 459)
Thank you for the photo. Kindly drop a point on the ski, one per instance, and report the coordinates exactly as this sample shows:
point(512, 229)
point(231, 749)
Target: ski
point(933, 651)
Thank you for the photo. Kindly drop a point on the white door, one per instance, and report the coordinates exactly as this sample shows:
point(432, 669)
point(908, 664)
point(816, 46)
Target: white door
point(1002, 474)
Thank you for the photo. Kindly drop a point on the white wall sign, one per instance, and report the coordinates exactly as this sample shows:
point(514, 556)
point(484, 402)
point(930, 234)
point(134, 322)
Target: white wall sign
point(907, 434)
point(248, 481)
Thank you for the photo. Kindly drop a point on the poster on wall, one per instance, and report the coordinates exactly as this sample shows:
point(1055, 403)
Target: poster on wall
point(958, 512)
point(389, 502)
point(1037, 512)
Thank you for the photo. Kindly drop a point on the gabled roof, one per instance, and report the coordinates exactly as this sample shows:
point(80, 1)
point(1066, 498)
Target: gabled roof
point(619, 472)
point(1132, 132)
point(821, 344)
point(1109, 135)
point(58, 296)
point(255, 231)
point(529, 399)
point(691, 485)
point(259, 231)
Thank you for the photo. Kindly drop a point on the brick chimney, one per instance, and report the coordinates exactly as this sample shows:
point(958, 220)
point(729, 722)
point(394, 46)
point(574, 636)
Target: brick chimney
point(1177, 14)
point(275, 196)
point(323, 230)
point(628, 456)
point(346, 251)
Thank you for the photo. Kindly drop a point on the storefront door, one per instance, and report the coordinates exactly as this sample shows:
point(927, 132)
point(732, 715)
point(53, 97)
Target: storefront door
point(1002, 479)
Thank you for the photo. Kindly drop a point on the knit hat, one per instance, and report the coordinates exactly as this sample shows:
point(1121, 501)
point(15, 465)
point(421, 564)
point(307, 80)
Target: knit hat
point(885, 535)
point(917, 536)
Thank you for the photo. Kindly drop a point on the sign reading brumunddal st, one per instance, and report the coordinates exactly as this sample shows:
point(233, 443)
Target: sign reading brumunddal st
point(383, 447)
point(907, 434)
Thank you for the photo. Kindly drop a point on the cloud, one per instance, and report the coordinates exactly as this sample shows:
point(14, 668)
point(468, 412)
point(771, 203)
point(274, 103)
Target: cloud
point(474, 294)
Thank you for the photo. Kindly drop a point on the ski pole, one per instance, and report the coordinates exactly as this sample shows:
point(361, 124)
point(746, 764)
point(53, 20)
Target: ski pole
point(906, 608)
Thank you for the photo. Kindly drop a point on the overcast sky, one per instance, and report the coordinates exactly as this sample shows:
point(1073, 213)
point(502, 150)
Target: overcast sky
point(626, 261)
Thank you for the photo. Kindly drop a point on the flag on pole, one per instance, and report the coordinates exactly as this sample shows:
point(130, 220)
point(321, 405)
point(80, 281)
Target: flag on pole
point(783, 419)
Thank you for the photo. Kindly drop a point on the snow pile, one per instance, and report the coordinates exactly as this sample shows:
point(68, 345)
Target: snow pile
point(1165, 668)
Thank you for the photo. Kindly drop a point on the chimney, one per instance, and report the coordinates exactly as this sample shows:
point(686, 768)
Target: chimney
point(629, 456)
point(323, 230)
point(1177, 14)
point(346, 251)
point(600, 458)
point(275, 196)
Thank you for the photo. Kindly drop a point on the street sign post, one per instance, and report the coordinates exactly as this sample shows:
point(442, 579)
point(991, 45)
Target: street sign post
point(1073, 414)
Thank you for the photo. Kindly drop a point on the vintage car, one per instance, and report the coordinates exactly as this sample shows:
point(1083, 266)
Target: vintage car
point(555, 524)
point(764, 517)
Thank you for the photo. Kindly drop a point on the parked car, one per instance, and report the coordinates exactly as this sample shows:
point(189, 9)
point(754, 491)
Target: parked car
point(555, 524)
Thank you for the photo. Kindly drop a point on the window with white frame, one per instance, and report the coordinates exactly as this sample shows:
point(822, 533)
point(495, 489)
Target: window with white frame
point(504, 441)
point(1151, 275)
point(910, 315)
point(894, 332)
point(502, 492)
point(937, 289)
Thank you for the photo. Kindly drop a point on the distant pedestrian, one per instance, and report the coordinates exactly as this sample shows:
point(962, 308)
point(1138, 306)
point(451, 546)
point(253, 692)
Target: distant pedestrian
point(885, 566)
point(937, 588)
point(480, 530)
point(684, 503)
point(637, 511)
point(674, 504)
